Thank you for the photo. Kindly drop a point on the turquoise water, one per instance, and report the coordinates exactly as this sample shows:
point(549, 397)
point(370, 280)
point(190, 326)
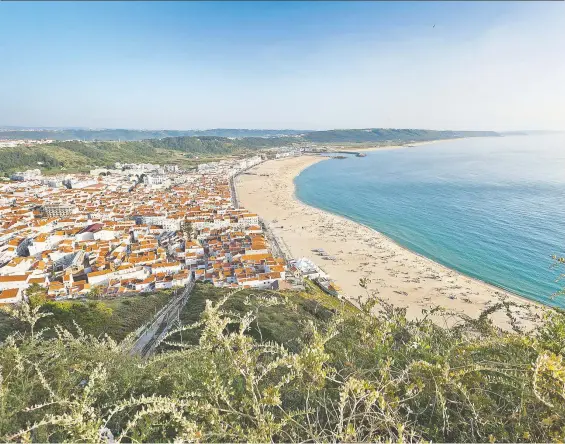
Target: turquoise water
point(492, 208)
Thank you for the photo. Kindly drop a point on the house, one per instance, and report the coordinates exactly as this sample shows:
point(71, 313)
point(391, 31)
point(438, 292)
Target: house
point(68, 280)
point(15, 281)
point(163, 282)
point(166, 267)
point(11, 296)
point(40, 280)
point(181, 279)
point(100, 277)
point(18, 265)
point(145, 284)
point(56, 290)
point(79, 288)
point(199, 274)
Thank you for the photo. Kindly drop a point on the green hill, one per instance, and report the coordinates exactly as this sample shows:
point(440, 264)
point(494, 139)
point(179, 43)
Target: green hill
point(380, 135)
point(82, 156)
point(338, 135)
point(133, 135)
point(280, 322)
point(115, 317)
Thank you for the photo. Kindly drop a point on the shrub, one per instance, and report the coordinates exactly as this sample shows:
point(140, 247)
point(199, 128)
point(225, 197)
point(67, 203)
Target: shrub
point(364, 377)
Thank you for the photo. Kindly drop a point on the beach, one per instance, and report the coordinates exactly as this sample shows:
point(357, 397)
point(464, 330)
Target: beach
point(394, 273)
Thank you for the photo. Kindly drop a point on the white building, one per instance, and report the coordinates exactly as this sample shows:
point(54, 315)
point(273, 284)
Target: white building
point(78, 184)
point(11, 296)
point(58, 210)
point(172, 168)
point(249, 219)
point(308, 269)
point(17, 281)
point(156, 179)
point(131, 273)
point(100, 277)
point(18, 265)
point(163, 221)
point(258, 282)
point(27, 175)
point(166, 267)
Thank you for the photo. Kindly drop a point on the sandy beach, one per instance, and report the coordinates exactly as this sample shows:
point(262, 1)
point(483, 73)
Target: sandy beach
point(398, 275)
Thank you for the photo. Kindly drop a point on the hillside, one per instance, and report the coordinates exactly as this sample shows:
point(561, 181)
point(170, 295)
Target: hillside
point(82, 156)
point(380, 135)
point(115, 317)
point(341, 135)
point(280, 322)
point(133, 135)
point(265, 366)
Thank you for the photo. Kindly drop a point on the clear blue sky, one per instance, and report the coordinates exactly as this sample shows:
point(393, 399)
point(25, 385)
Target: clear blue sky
point(181, 65)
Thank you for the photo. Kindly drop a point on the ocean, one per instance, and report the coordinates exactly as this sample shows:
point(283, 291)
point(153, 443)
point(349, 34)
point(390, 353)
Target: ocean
point(492, 208)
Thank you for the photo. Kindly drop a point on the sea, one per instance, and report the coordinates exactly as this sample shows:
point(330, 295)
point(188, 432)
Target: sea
point(492, 208)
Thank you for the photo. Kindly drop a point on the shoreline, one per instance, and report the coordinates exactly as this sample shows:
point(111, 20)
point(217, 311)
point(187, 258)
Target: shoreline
point(524, 299)
point(396, 147)
point(400, 276)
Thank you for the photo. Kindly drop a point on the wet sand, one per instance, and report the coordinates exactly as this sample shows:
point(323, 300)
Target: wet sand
point(396, 274)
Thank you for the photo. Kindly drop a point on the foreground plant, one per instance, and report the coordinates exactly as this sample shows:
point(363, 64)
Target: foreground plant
point(372, 376)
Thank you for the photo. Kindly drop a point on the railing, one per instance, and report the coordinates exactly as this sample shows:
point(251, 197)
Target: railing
point(146, 347)
point(150, 348)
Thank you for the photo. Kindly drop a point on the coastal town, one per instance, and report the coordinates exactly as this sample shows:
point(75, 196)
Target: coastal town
point(282, 222)
point(133, 228)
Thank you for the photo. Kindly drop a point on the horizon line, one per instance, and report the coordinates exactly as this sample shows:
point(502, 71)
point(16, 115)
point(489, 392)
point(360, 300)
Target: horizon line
point(84, 128)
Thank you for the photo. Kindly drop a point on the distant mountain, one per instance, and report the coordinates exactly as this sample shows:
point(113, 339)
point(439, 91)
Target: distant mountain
point(76, 155)
point(12, 133)
point(239, 133)
point(388, 135)
point(82, 155)
point(330, 136)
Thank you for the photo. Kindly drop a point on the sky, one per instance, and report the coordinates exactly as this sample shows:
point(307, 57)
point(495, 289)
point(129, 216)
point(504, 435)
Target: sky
point(301, 65)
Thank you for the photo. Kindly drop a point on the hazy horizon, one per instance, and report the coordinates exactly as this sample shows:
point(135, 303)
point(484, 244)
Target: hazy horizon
point(85, 128)
point(288, 65)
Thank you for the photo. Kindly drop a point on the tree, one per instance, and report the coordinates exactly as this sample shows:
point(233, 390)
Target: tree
point(95, 293)
point(187, 229)
point(37, 295)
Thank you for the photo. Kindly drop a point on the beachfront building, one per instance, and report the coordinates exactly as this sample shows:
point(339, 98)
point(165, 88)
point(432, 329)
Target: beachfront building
point(307, 269)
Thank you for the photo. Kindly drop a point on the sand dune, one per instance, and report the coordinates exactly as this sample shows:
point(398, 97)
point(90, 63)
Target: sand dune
point(395, 273)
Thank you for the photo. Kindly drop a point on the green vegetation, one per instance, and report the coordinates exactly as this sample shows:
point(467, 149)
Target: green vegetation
point(8, 325)
point(114, 317)
point(76, 155)
point(277, 322)
point(380, 135)
point(315, 374)
point(216, 145)
point(131, 135)
point(83, 156)
point(187, 229)
point(17, 157)
point(344, 135)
